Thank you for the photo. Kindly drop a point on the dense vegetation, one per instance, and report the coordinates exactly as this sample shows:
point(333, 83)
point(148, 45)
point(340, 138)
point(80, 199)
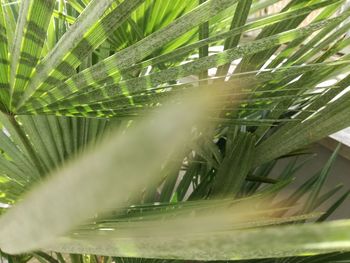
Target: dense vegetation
point(105, 149)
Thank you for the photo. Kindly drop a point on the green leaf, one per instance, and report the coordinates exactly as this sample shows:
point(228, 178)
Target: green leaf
point(190, 68)
point(146, 46)
point(298, 240)
point(86, 34)
point(234, 167)
point(4, 62)
point(316, 188)
point(333, 207)
point(29, 40)
point(38, 219)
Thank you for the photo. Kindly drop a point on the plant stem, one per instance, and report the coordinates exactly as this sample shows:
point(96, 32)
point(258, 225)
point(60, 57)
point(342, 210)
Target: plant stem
point(76, 258)
point(28, 146)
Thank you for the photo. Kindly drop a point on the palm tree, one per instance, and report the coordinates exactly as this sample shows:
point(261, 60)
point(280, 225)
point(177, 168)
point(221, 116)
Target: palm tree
point(168, 183)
